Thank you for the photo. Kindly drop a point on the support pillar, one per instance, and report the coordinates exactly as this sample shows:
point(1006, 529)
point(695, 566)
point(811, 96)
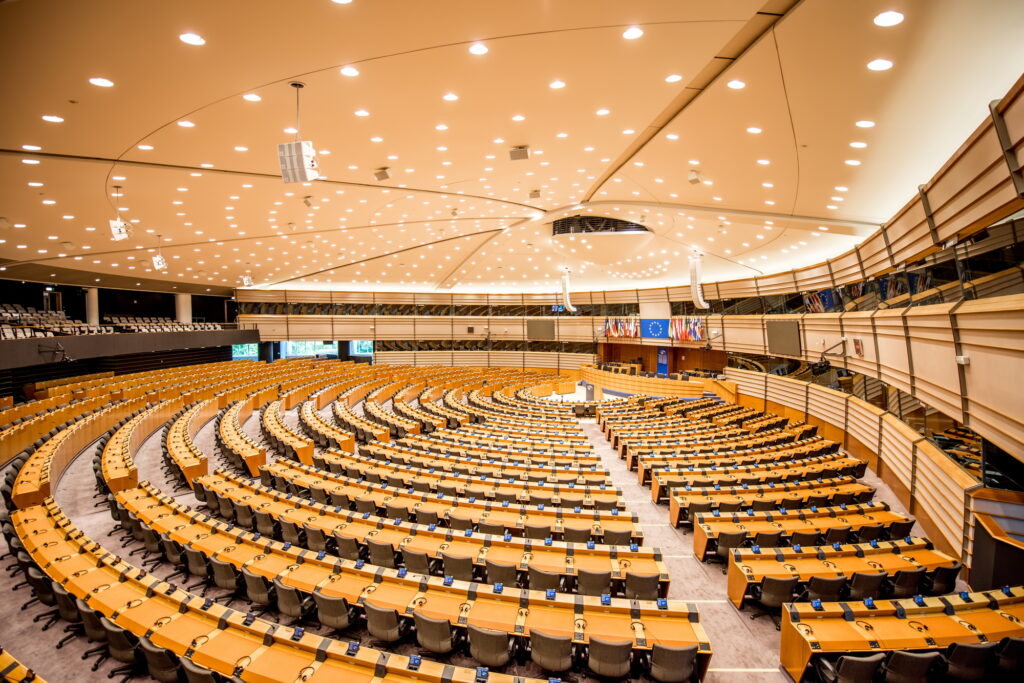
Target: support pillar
point(92, 306)
point(183, 308)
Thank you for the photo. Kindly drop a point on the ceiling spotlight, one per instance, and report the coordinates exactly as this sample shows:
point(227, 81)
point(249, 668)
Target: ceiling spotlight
point(887, 19)
point(186, 124)
point(478, 49)
point(192, 39)
point(519, 153)
point(251, 97)
point(632, 33)
point(52, 118)
point(694, 177)
point(102, 82)
point(880, 65)
point(865, 124)
point(382, 173)
point(673, 78)
point(736, 84)
point(349, 71)
point(450, 97)
point(556, 85)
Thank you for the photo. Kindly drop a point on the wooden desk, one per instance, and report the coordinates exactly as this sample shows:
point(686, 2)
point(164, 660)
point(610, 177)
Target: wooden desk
point(513, 517)
point(791, 495)
point(514, 611)
point(559, 557)
point(748, 568)
point(707, 527)
point(840, 627)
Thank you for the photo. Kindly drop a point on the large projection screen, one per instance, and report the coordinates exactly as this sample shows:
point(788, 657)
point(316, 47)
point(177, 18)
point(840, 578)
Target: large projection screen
point(783, 337)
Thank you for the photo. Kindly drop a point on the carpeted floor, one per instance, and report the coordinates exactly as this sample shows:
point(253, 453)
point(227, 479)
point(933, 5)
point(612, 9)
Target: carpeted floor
point(743, 649)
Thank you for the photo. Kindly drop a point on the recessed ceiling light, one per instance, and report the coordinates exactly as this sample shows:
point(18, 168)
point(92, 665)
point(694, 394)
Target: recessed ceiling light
point(736, 84)
point(450, 97)
point(556, 85)
point(628, 131)
point(240, 148)
point(349, 71)
point(603, 112)
point(102, 82)
point(290, 130)
point(823, 227)
point(890, 18)
point(52, 118)
point(441, 126)
point(754, 129)
point(478, 49)
point(865, 124)
point(672, 136)
point(186, 124)
point(376, 139)
point(35, 184)
point(694, 162)
point(192, 39)
point(361, 112)
point(769, 185)
point(852, 162)
point(251, 97)
point(858, 145)
point(31, 148)
point(763, 162)
point(30, 162)
point(341, 2)
point(841, 188)
point(673, 78)
point(880, 65)
point(518, 117)
point(632, 33)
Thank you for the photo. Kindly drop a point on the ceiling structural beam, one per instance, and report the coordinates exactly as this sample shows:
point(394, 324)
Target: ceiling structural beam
point(492, 233)
point(809, 223)
point(272, 235)
point(756, 28)
point(253, 174)
point(511, 226)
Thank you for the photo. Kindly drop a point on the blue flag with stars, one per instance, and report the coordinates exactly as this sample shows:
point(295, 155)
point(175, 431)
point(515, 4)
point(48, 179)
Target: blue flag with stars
point(654, 329)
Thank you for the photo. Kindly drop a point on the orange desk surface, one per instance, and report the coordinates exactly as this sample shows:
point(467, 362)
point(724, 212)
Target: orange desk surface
point(841, 627)
point(747, 568)
point(513, 517)
point(559, 557)
point(515, 611)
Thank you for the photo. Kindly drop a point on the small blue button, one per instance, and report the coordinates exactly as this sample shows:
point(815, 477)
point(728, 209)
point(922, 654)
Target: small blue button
point(550, 594)
point(298, 633)
point(837, 546)
point(448, 580)
point(590, 545)
point(919, 600)
point(398, 521)
point(360, 563)
point(402, 571)
point(366, 515)
point(798, 548)
point(508, 536)
point(874, 543)
point(286, 546)
point(634, 547)
point(541, 506)
point(321, 555)
point(1006, 591)
point(756, 549)
point(662, 603)
point(615, 512)
point(606, 599)
point(249, 618)
point(414, 662)
point(469, 532)
point(504, 503)
point(353, 647)
point(431, 527)
point(842, 506)
point(577, 509)
point(498, 587)
point(207, 604)
point(816, 604)
point(814, 508)
point(869, 603)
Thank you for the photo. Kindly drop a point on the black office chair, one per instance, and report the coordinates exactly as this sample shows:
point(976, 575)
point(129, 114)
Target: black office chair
point(1009, 664)
point(849, 669)
point(910, 667)
point(969, 661)
point(905, 583)
point(673, 664)
point(771, 594)
point(826, 589)
point(866, 585)
point(942, 580)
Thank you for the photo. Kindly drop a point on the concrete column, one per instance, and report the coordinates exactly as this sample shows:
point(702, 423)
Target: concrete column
point(92, 306)
point(183, 308)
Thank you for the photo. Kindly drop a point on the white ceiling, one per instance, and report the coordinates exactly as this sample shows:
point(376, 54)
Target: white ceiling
point(456, 214)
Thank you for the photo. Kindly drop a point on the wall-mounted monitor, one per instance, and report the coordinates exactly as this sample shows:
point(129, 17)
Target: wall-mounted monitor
point(783, 337)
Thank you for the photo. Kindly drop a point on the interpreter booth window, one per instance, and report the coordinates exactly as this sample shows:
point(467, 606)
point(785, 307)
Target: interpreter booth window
point(297, 349)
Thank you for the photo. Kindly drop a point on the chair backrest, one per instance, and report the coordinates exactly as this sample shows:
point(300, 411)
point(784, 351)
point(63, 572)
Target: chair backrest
point(94, 630)
point(499, 572)
point(609, 658)
point(197, 674)
point(316, 540)
point(907, 582)
point(617, 536)
point(416, 561)
point(265, 523)
point(290, 601)
point(944, 579)
point(1010, 655)
point(826, 589)
point(244, 515)
point(291, 532)
point(866, 585)
point(458, 566)
point(803, 538)
point(543, 580)
point(593, 583)
point(381, 554)
point(120, 643)
point(433, 634)
point(162, 663)
point(871, 532)
point(551, 653)
point(729, 540)
point(224, 574)
point(66, 604)
point(196, 562)
point(488, 647)
point(332, 611)
point(426, 517)
point(576, 534)
point(837, 534)
point(673, 664)
point(382, 622)
point(348, 547)
point(642, 586)
point(768, 539)
point(969, 661)
point(775, 591)
point(537, 531)
point(910, 667)
point(257, 588)
point(859, 669)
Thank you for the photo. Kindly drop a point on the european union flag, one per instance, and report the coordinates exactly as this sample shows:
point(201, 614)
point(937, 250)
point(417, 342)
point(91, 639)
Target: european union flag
point(654, 329)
